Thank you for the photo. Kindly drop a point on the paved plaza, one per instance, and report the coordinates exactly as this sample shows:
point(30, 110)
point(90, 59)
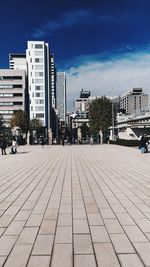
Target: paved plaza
point(75, 206)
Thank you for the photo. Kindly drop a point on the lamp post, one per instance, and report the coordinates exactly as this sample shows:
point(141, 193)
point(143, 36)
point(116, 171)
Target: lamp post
point(113, 123)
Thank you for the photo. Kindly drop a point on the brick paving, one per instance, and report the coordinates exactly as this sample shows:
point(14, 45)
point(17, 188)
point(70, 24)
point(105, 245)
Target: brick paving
point(75, 206)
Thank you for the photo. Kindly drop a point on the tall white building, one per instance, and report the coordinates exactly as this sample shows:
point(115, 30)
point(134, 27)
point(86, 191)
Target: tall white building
point(38, 62)
point(53, 81)
point(61, 95)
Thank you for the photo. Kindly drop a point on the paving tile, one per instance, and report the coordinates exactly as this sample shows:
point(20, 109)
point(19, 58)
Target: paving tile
point(84, 260)
point(43, 245)
point(64, 234)
point(34, 220)
point(41, 261)
point(91, 208)
point(6, 244)
point(105, 255)
point(95, 219)
point(80, 226)
point(144, 225)
point(2, 260)
point(62, 255)
point(65, 220)
point(143, 249)
point(22, 215)
point(79, 214)
point(19, 256)
point(27, 236)
point(15, 228)
point(82, 244)
point(47, 227)
point(135, 234)
point(99, 234)
point(51, 214)
point(107, 213)
point(113, 226)
point(125, 219)
point(130, 260)
point(121, 243)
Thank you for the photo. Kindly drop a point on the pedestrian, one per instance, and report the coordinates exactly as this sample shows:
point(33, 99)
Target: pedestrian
point(91, 140)
point(14, 146)
point(3, 145)
point(142, 144)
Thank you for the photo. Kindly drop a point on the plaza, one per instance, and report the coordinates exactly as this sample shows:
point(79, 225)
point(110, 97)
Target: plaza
point(75, 206)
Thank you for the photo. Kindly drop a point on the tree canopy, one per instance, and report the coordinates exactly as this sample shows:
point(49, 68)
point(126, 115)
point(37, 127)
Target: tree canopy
point(20, 119)
point(100, 114)
point(35, 124)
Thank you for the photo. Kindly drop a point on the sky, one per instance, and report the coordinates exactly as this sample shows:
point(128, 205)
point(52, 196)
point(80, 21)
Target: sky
point(102, 45)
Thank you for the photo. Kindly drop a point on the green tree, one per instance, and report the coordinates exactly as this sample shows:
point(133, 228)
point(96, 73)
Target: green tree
point(20, 119)
point(100, 114)
point(35, 124)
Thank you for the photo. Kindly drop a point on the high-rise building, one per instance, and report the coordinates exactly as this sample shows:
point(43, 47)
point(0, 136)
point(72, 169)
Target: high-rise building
point(133, 100)
point(53, 81)
point(12, 92)
point(61, 95)
point(38, 62)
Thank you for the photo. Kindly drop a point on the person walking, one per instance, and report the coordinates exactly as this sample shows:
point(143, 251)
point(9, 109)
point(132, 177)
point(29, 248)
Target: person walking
point(3, 145)
point(142, 144)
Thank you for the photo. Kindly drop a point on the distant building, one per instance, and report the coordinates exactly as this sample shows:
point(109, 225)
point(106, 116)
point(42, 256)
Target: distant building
point(17, 61)
point(38, 63)
point(61, 95)
point(133, 100)
point(81, 103)
point(84, 93)
point(12, 92)
point(53, 81)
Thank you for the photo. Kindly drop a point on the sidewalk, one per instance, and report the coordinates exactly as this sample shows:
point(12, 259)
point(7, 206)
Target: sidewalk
point(75, 206)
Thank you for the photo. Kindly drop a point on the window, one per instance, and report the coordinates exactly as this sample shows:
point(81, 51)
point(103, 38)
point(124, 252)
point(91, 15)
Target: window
point(38, 46)
point(39, 81)
point(39, 101)
point(38, 60)
point(17, 103)
point(39, 115)
point(5, 86)
point(39, 74)
point(17, 86)
point(39, 108)
point(39, 87)
point(39, 94)
point(17, 94)
point(38, 53)
point(38, 67)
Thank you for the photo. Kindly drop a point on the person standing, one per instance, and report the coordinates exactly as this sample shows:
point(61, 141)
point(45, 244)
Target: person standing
point(3, 145)
point(142, 144)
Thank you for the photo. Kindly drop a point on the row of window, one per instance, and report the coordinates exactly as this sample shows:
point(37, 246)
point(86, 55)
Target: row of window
point(11, 103)
point(10, 86)
point(10, 77)
point(10, 95)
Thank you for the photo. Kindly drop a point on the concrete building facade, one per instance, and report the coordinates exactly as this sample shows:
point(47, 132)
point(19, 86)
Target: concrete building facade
point(12, 92)
point(133, 100)
point(61, 95)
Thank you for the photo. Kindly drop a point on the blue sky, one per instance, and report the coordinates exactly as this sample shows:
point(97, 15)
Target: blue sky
point(92, 40)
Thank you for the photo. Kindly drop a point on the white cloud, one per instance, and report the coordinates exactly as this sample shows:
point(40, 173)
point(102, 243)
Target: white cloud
point(109, 77)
